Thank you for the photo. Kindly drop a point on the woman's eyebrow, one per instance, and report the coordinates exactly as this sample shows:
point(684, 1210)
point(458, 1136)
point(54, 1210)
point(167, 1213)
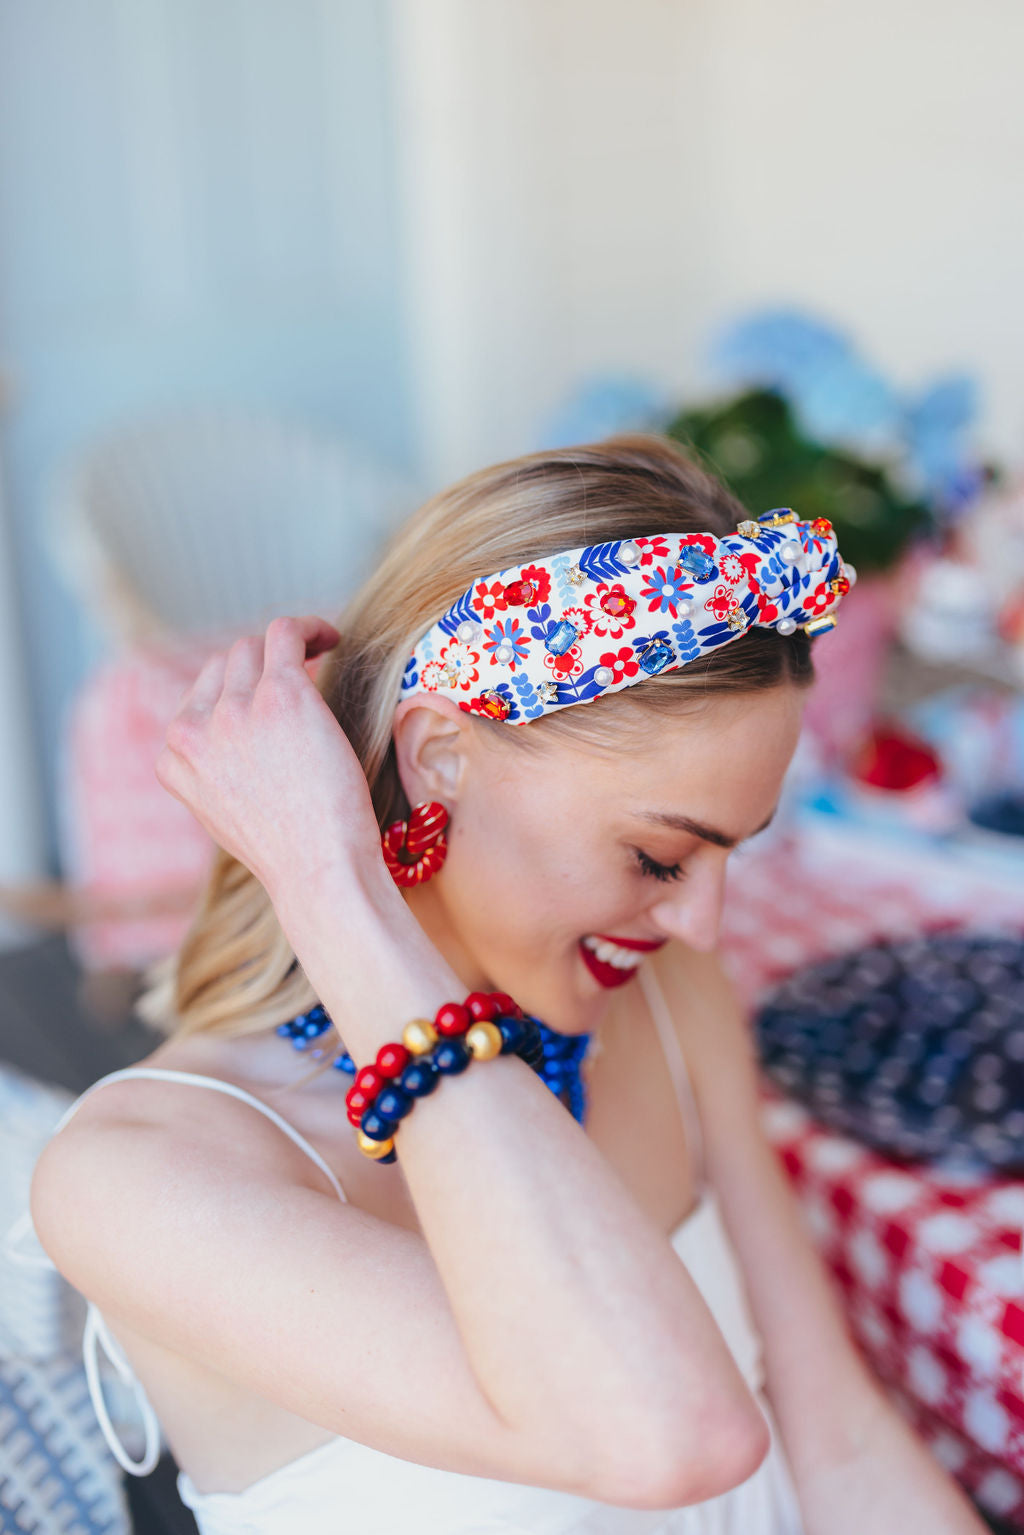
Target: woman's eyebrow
point(698, 829)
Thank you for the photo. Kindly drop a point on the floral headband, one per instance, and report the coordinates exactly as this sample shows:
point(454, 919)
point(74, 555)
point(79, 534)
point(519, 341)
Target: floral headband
point(577, 625)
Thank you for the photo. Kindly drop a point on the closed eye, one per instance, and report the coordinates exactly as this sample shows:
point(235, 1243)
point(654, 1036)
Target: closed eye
point(659, 870)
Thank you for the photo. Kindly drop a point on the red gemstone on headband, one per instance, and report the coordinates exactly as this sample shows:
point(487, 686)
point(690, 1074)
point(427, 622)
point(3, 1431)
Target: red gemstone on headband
point(822, 526)
point(617, 604)
point(494, 705)
point(521, 594)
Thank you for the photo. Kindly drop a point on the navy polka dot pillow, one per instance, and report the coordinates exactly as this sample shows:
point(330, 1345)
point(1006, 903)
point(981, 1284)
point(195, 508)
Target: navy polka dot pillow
point(915, 1048)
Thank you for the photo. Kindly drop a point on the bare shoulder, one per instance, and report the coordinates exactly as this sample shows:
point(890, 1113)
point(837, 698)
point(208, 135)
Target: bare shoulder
point(184, 1119)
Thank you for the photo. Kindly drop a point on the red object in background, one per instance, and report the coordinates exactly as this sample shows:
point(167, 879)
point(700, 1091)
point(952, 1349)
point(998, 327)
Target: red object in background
point(1010, 623)
point(893, 759)
point(849, 664)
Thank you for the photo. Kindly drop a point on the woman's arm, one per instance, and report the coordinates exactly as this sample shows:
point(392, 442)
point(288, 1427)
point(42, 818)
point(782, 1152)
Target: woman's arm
point(577, 1319)
point(857, 1465)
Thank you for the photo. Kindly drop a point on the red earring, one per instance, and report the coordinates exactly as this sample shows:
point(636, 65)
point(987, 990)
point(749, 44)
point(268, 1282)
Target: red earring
point(415, 849)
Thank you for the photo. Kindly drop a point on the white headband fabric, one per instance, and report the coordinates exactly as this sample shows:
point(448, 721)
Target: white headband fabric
point(575, 626)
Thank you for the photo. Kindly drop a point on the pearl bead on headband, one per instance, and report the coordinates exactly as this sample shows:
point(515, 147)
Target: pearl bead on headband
point(574, 626)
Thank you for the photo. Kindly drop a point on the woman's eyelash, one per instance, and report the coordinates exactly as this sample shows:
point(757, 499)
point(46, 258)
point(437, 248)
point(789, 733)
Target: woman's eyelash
point(659, 870)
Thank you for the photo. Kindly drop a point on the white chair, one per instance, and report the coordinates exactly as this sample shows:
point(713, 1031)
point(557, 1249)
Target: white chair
point(208, 523)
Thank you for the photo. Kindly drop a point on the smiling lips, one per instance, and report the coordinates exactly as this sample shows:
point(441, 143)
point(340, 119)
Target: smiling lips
point(612, 961)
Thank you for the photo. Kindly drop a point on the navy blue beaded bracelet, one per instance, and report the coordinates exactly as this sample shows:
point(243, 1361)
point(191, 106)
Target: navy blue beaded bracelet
point(485, 1025)
point(556, 1058)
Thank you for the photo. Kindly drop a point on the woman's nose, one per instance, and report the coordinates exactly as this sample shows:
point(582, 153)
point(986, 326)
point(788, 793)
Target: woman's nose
point(692, 911)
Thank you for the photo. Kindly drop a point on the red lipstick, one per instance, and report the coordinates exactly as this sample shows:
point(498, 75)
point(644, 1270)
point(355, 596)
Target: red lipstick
point(609, 975)
point(642, 945)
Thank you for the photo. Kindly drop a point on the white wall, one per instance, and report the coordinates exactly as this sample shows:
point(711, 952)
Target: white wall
point(594, 186)
point(196, 210)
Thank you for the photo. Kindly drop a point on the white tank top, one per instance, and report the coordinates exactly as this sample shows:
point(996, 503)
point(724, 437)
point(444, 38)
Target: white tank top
point(346, 1488)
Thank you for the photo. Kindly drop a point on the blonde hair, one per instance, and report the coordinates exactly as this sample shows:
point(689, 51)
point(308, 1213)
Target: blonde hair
point(235, 972)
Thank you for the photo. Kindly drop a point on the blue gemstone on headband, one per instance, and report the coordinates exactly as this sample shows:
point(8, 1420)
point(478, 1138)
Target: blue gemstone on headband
point(562, 638)
point(656, 657)
point(697, 563)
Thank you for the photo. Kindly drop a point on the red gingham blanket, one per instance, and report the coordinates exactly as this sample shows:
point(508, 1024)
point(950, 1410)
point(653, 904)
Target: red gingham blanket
point(929, 1263)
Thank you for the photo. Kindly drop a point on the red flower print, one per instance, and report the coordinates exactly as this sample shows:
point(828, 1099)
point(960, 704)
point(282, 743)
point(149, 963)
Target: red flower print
point(490, 599)
point(432, 675)
point(732, 569)
point(541, 580)
point(580, 619)
point(820, 599)
point(459, 664)
point(654, 549)
point(703, 541)
point(721, 602)
point(569, 665)
point(766, 609)
point(622, 662)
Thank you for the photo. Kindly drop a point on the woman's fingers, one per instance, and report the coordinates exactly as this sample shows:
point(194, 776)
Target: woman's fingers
point(243, 668)
point(292, 641)
point(207, 687)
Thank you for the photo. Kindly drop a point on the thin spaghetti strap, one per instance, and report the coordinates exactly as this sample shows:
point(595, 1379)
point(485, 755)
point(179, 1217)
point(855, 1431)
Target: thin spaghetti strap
point(219, 1086)
point(96, 1333)
point(21, 1228)
point(676, 1062)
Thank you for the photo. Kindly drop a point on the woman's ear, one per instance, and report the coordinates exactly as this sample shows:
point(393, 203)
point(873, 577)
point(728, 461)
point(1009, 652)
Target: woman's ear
point(432, 745)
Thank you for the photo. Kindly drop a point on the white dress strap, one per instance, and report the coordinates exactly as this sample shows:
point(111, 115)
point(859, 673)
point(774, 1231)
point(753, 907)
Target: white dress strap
point(218, 1086)
point(96, 1330)
point(676, 1062)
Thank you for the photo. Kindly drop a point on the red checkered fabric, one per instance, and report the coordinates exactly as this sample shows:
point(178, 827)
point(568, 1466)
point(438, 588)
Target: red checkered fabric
point(930, 1269)
point(929, 1263)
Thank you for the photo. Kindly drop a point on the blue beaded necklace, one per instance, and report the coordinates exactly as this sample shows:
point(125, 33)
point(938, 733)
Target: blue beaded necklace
point(564, 1055)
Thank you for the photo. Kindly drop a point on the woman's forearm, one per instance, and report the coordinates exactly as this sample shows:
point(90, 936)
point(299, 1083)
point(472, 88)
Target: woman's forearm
point(572, 1306)
point(891, 1485)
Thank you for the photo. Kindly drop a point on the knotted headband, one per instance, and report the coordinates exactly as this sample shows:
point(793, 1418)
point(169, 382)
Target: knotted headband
point(574, 626)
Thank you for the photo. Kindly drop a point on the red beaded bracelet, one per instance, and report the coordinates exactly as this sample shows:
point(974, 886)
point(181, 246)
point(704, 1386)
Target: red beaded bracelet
point(382, 1094)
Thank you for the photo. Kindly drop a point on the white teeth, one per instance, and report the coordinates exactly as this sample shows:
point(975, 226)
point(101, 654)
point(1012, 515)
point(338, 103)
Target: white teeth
point(611, 954)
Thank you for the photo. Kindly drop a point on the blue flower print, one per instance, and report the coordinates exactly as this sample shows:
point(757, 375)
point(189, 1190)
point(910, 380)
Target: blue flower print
point(540, 620)
point(507, 631)
point(666, 588)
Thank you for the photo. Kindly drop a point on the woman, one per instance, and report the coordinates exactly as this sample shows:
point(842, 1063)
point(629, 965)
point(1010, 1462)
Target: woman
point(474, 1312)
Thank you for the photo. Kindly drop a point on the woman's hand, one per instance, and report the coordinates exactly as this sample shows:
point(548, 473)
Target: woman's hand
point(259, 759)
